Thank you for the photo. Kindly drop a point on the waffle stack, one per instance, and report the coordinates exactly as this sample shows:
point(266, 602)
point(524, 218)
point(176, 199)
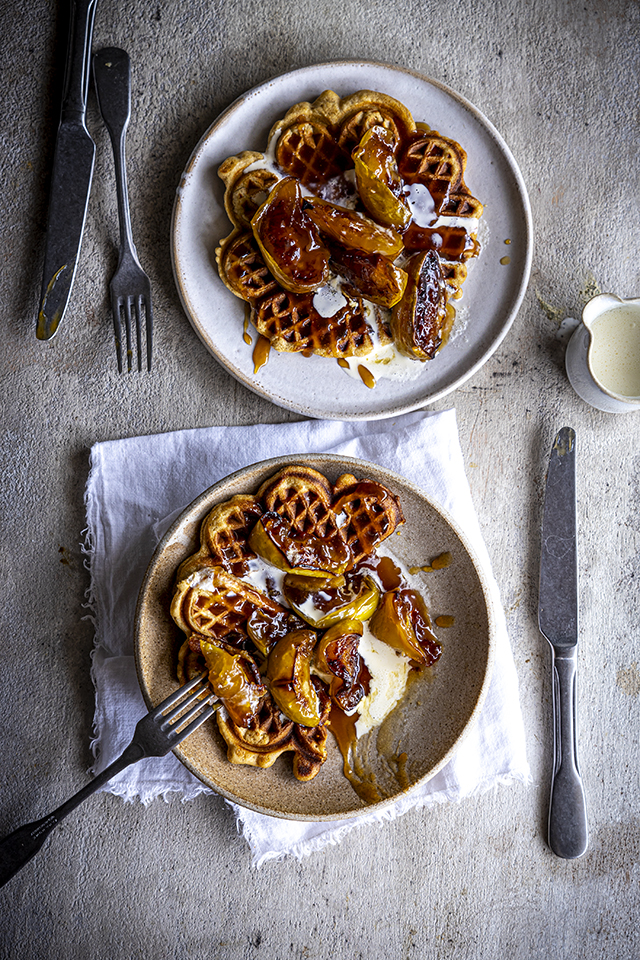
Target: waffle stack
point(220, 610)
point(439, 164)
point(313, 143)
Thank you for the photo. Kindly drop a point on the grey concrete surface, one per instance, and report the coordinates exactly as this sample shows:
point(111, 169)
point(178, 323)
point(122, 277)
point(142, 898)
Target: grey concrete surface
point(476, 880)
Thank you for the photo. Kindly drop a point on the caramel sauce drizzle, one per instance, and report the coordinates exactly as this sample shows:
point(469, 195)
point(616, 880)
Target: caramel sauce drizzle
point(246, 336)
point(260, 353)
point(445, 621)
point(367, 377)
point(438, 563)
point(390, 575)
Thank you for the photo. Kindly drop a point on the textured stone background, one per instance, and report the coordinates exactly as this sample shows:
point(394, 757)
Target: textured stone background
point(559, 80)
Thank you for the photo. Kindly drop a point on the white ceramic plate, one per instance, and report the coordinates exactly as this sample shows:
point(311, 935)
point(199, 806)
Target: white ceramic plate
point(438, 709)
point(318, 387)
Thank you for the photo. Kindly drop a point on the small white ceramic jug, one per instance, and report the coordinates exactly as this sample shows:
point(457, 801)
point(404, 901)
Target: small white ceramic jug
point(603, 355)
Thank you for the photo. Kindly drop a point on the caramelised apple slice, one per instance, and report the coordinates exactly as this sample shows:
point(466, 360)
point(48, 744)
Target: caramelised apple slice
point(375, 277)
point(402, 621)
point(235, 679)
point(289, 239)
point(379, 183)
point(324, 601)
point(337, 656)
point(352, 229)
point(418, 319)
point(289, 677)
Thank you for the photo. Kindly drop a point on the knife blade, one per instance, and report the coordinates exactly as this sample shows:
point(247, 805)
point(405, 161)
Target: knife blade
point(558, 622)
point(71, 176)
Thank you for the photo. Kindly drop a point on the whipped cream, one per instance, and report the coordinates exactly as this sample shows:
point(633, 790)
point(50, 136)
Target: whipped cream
point(328, 300)
point(389, 674)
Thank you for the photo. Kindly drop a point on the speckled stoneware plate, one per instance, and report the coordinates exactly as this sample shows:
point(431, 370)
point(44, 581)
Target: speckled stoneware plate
point(438, 709)
point(318, 387)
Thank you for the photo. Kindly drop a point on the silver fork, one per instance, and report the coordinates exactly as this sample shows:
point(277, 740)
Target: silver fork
point(155, 735)
point(130, 287)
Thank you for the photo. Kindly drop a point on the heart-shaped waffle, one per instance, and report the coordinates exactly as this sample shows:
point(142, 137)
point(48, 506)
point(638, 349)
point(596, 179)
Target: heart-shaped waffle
point(368, 514)
point(292, 325)
point(214, 603)
point(289, 320)
point(224, 536)
point(303, 497)
point(439, 164)
point(365, 109)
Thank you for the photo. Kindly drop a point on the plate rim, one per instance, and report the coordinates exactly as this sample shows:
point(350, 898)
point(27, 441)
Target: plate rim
point(400, 407)
point(361, 466)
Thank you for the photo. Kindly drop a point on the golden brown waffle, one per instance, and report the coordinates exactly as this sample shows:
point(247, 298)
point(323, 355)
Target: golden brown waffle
point(435, 161)
point(289, 320)
point(215, 604)
point(454, 276)
point(242, 268)
point(371, 514)
point(292, 325)
point(272, 735)
point(224, 535)
point(314, 140)
point(225, 532)
point(304, 497)
point(246, 189)
point(439, 164)
point(308, 152)
point(367, 109)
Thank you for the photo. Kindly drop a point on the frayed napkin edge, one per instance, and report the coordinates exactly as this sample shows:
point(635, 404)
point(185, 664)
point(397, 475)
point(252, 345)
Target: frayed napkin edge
point(88, 549)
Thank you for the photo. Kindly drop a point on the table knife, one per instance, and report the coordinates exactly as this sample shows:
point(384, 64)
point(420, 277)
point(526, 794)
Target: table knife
point(70, 176)
point(558, 622)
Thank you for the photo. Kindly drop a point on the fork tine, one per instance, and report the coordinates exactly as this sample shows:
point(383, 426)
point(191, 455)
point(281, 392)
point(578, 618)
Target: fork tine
point(127, 323)
point(117, 327)
point(148, 310)
point(138, 312)
point(173, 698)
point(202, 708)
point(206, 713)
point(179, 711)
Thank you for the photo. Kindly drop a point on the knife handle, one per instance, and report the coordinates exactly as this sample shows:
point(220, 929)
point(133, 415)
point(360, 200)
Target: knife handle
point(76, 79)
point(568, 830)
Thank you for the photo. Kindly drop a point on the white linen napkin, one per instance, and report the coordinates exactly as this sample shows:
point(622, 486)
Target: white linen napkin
point(137, 486)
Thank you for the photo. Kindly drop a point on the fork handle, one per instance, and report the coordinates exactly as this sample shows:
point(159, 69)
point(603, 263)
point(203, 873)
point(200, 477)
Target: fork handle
point(112, 80)
point(23, 844)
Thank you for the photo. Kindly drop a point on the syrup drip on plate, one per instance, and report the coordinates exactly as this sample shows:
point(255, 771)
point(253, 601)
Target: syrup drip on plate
point(260, 353)
point(246, 336)
point(367, 377)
